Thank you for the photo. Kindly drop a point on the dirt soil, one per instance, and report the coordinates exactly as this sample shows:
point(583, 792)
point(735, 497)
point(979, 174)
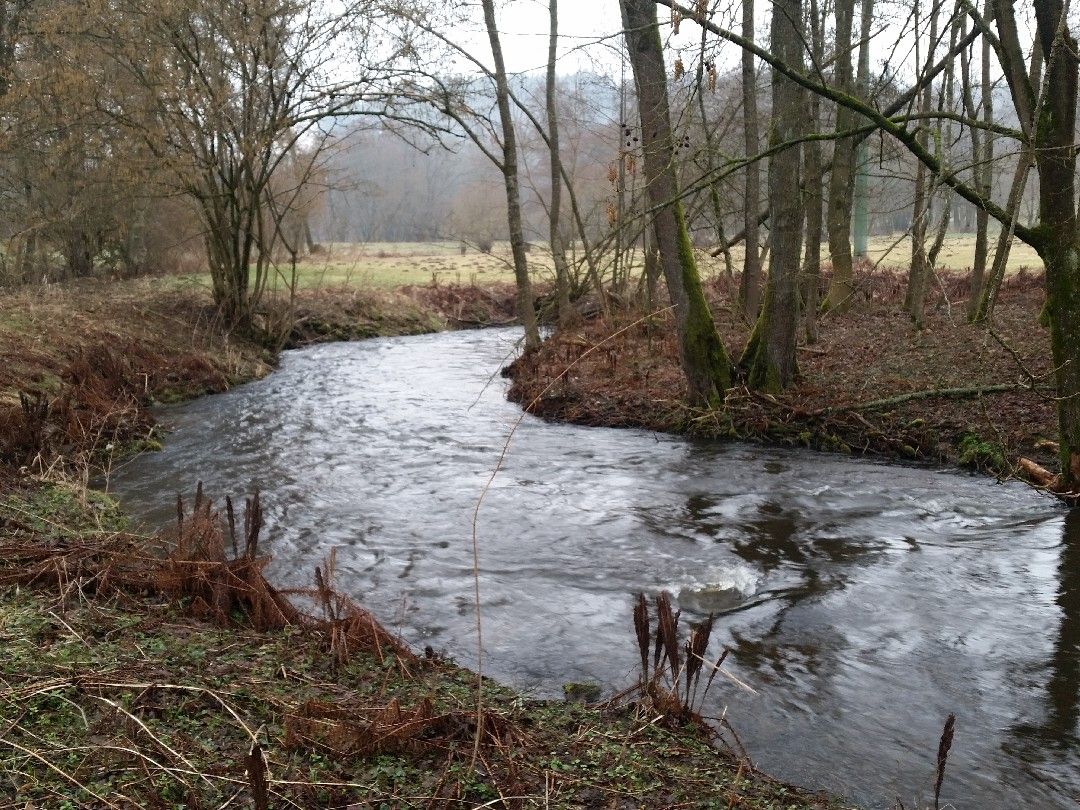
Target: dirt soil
point(872, 385)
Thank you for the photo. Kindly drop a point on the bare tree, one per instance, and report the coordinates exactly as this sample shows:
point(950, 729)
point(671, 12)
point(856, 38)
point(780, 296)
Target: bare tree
point(920, 264)
point(1056, 236)
point(841, 180)
point(750, 286)
point(705, 66)
point(811, 291)
point(558, 251)
point(770, 354)
point(231, 89)
point(526, 310)
point(860, 213)
point(704, 360)
point(981, 160)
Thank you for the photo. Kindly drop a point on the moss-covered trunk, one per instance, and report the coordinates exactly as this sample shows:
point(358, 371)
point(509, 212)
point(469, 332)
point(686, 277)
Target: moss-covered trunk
point(509, 166)
point(1058, 234)
point(704, 360)
point(770, 354)
point(1063, 307)
point(841, 180)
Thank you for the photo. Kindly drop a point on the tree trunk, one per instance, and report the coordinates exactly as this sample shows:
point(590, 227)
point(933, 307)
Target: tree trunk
point(558, 251)
point(1055, 152)
point(860, 216)
point(944, 140)
point(811, 286)
point(984, 309)
point(710, 163)
point(982, 168)
point(526, 311)
point(917, 277)
point(750, 286)
point(79, 256)
point(704, 360)
point(652, 269)
point(770, 355)
point(841, 180)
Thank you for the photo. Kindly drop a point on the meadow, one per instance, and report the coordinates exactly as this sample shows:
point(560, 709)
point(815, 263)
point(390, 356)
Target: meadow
point(388, 265)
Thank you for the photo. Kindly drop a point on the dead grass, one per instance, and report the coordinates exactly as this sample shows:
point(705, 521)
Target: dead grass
point(80, 363)
point(869, 355)
point(116, 691)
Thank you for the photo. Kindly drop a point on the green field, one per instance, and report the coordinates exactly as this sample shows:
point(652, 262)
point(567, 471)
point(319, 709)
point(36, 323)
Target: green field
point(388, 265)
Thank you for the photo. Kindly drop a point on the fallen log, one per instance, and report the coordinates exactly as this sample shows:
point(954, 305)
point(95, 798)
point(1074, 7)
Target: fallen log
point(1038, 474)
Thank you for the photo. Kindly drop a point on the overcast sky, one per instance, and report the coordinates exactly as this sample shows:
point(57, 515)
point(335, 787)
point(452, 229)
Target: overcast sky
point(589, 34)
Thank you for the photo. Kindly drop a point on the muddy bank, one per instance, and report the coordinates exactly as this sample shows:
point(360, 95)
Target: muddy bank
point(951, 393)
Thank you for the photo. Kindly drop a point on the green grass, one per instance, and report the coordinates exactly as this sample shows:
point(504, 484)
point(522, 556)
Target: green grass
point(62, 510)
point(150, 708)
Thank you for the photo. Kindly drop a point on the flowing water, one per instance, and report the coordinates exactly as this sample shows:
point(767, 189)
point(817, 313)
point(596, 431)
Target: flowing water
point(863, 602)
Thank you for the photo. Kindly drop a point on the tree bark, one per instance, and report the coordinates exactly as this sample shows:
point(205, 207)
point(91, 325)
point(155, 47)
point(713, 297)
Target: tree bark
point(917, 277)
point(944, 140)
point(558, 250)
point(841, 180)
point(984, 308)
point(1055, 152)
point(860, 216)
point(770, 354)
point(710, 163)
point(704, 360)
point(750, 285)
point(811, 286)
point(526, 310)
point(982, 148)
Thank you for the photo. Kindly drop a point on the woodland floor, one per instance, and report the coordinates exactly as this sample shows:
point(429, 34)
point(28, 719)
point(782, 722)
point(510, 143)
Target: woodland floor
point(872, 384)
point(165, 672)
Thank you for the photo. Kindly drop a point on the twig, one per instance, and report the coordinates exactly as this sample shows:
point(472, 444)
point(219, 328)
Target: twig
point(900, 399)
point(58, 770)
point(480, 500)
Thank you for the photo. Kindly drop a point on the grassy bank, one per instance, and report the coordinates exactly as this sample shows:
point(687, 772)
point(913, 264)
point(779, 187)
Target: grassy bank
point(166, 672)
point(175, 676)
point(951, 393)
point(80, 363)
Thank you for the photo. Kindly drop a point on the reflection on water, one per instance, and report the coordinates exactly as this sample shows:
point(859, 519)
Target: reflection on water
point(1057, 738)
point(864, 602)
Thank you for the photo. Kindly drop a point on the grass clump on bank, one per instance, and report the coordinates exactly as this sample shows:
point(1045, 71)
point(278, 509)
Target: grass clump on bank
point(181, 678)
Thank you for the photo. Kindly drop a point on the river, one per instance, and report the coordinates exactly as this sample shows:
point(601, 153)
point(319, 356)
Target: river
point(863, 602)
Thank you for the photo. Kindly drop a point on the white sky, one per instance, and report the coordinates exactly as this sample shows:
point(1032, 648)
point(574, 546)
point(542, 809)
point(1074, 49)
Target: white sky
point(586, 25)
point(523, 26)
point(589, 30)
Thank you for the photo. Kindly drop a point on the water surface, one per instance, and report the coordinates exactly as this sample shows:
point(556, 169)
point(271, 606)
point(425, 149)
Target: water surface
point(863, 602)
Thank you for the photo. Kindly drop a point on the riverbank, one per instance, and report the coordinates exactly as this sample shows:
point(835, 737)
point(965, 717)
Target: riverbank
point(950, 394)
point(165, 671)
point(135, 678)
point(81, 363)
